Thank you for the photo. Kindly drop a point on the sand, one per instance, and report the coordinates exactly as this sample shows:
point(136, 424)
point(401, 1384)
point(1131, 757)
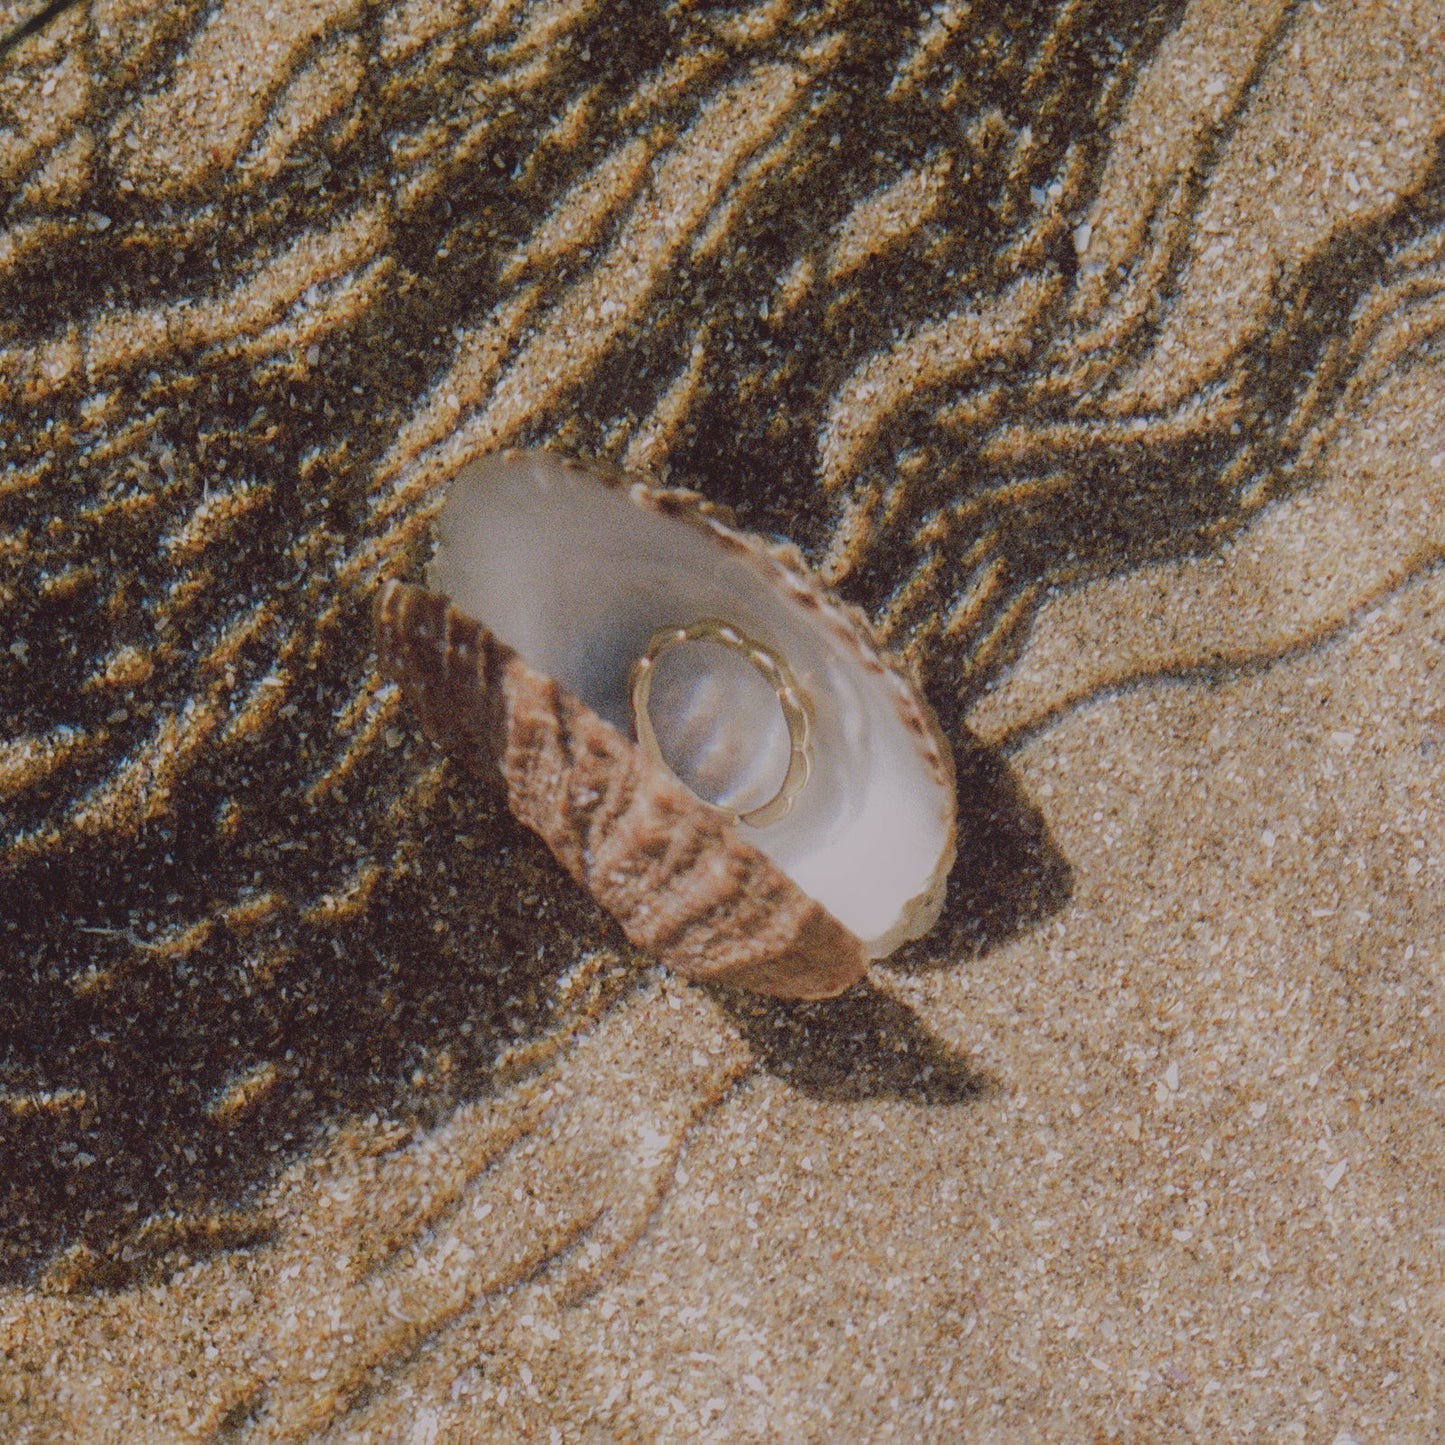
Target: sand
point(1095, 352)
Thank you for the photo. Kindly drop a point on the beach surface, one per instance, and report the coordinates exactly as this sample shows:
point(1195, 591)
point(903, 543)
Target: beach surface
point(1097, 352)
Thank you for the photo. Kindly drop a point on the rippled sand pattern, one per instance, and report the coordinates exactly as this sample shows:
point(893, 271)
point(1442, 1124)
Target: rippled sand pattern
point(1094, 349)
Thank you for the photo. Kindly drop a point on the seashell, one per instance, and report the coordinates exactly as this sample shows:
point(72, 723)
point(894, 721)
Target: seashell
point(706, 739)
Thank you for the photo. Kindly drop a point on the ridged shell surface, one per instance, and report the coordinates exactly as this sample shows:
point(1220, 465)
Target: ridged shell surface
point(674, 873)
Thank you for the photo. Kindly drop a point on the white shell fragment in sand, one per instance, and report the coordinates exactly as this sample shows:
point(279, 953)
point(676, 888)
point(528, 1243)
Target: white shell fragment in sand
point(707, 740)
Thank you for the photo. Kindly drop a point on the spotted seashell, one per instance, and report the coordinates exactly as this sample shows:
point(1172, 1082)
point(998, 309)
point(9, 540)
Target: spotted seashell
point(707, 740)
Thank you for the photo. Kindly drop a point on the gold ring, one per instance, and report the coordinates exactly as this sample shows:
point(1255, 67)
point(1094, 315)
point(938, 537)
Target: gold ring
point(774, 672)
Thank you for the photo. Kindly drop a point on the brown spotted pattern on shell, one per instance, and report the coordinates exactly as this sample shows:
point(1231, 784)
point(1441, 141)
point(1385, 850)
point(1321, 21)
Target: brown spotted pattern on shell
point(672, 872)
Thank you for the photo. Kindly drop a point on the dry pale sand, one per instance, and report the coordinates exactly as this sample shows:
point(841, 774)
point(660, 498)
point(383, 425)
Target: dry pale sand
point(1097, 351)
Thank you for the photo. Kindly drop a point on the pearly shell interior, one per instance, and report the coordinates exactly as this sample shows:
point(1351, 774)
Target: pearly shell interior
point(581, 573)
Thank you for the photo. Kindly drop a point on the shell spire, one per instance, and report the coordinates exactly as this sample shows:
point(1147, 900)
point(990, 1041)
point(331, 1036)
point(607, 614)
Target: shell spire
point(671, 869)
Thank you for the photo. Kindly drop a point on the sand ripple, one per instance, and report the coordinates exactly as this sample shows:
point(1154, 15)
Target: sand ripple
point(1094, 350)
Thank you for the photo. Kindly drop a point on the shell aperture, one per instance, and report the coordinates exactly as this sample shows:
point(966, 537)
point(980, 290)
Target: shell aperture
point(732, 685)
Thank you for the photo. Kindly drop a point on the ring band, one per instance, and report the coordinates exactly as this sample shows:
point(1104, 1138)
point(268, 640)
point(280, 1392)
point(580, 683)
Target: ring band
point(773, 671)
